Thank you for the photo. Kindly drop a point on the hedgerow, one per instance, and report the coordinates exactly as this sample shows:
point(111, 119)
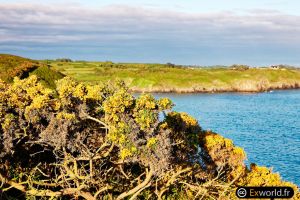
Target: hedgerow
point(81, 141)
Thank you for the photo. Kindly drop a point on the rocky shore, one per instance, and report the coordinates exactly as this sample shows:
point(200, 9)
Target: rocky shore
point(239, 86)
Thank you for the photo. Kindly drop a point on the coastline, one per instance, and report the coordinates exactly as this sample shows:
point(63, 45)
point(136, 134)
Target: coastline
point(160, 78)
point(252, 89)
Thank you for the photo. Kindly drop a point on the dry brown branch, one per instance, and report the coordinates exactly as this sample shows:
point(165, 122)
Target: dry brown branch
point(174, 176)
point(122, 172)
point(44, 183)
point(227, 186)
point(149, 175)
point(48, 193)
point(98, 121)
point(192, 187)
point(102, 190)
point(91, 168)
point(138, 192)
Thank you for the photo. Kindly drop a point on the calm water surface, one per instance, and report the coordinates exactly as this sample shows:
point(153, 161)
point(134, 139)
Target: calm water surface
point(266, 125)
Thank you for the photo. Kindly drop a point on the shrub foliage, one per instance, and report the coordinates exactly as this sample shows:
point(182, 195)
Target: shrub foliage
point(81, 141)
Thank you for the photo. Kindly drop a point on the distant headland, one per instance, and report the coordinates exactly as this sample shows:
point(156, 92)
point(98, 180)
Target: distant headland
point(142, 77)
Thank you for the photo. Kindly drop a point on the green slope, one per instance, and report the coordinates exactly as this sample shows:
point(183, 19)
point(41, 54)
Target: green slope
point(12, 66)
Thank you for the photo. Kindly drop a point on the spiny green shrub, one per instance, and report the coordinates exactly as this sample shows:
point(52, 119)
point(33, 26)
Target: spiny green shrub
point(81, 141)
point(47, 76)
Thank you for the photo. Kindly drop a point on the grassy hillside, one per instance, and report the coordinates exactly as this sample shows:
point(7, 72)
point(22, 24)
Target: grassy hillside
point(11, 66)
point(170, 78)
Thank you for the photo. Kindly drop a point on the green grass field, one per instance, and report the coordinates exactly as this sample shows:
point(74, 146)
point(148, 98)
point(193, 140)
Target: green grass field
point(166, 78)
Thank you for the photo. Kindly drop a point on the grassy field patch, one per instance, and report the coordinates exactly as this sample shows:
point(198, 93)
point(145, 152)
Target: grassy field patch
point(162, 77)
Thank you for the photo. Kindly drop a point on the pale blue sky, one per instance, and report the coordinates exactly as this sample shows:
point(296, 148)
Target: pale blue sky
point(254, 32)
point(287, 6)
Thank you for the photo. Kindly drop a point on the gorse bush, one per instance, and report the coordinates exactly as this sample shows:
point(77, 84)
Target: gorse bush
point(15, 66)
point(11, 66)
point(81, 141)
point(47, 76)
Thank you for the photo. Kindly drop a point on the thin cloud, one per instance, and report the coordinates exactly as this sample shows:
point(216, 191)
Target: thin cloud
point(143, 26)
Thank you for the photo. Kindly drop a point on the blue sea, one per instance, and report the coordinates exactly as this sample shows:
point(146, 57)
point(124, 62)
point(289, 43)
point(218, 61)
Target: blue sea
point(266, 125)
